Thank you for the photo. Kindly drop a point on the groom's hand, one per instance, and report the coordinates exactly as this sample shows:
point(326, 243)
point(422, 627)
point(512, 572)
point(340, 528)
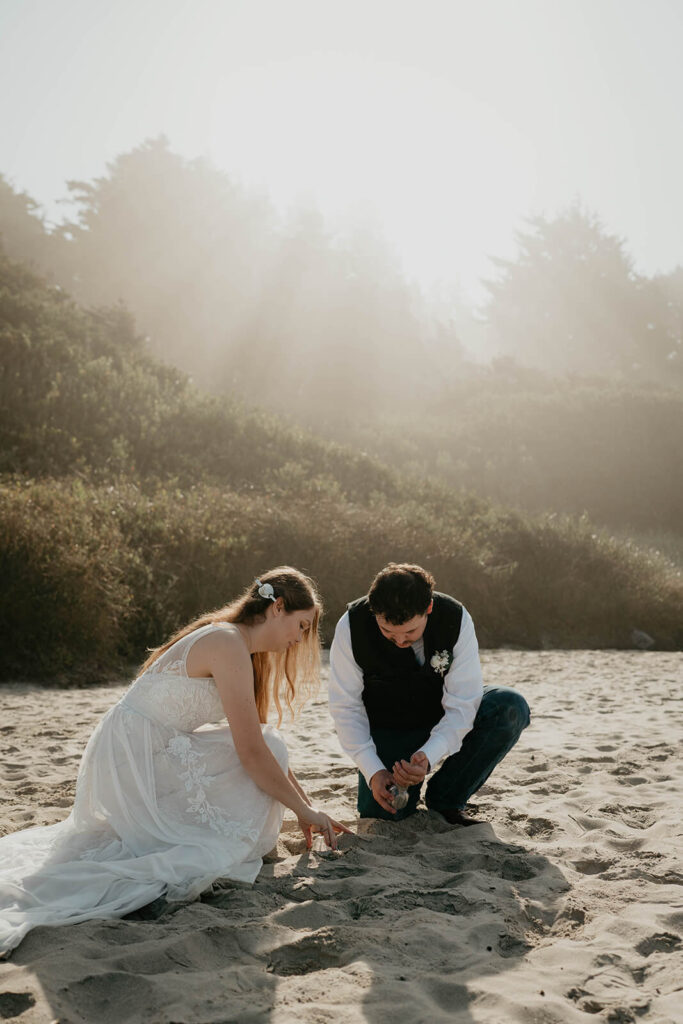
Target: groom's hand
point(379, 784)
point(411, 773)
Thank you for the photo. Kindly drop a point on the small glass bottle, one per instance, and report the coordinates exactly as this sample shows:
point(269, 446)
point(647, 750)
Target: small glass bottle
point(399, 795)
point(320, 847)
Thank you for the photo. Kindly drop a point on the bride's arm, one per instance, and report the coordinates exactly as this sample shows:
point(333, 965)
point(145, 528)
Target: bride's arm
point(297, 786)
point(224, 655)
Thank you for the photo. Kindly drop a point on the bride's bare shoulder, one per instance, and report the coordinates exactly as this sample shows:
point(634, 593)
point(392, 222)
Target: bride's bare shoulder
point(225, 642)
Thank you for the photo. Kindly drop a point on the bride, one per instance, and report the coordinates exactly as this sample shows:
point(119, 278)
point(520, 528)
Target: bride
point(169, 796)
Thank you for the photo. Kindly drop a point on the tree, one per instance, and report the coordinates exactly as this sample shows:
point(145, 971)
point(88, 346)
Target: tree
point(23, 233)
point(298, 320)
point(178, 242)
point(571, 303)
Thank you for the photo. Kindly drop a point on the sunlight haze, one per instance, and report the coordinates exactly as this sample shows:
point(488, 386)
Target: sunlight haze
point(444, 123)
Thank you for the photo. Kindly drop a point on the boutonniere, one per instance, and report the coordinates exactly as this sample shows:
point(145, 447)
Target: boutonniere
point(440, 661)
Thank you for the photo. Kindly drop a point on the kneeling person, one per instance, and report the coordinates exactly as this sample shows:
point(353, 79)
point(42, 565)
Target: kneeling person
point(406, 692)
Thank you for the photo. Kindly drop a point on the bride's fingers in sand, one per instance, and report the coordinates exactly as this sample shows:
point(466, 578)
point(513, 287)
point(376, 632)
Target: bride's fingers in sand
point(307, 831)
point(329, 828)
point(316, 821)
point(338, 827)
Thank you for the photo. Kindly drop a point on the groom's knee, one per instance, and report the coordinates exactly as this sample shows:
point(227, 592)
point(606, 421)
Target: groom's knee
point(505, 709)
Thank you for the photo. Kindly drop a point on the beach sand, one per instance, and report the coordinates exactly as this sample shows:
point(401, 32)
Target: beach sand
point(565, 905)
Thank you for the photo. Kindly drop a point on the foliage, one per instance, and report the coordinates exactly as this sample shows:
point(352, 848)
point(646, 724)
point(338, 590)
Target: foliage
point(156, 502)
point(524, 440)
point(78, 393)
point(94, 574)
point(23, 231)
point(65, 593)
point(332, 340)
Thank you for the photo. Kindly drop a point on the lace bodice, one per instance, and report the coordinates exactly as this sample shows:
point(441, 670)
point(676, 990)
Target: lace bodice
point(166, 694)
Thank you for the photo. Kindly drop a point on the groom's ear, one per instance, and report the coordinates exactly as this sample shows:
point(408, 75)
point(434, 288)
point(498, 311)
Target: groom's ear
point(431, 605)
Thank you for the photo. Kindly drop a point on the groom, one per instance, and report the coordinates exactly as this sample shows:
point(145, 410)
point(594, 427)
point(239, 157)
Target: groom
point(406, 695)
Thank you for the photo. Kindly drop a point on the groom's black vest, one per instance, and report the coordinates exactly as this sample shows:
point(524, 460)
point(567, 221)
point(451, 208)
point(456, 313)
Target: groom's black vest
point(398, 692)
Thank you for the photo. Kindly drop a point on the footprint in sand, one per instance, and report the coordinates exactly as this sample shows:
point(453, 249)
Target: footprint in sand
point(317, 952)
point(440, 901)
point(518, 870)
point(509, 945)
point(660, 942)
point(539, 828)
point(111, 996)
point(626, 768)
point(447, 995)
point(572, 916)
point(591, 867)
point(13, 1004)
point(560, 786)
point(584, 1001)
point(27, 789)
point(631, 815)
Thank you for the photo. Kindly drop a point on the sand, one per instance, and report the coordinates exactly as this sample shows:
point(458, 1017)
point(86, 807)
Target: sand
point(565, 905)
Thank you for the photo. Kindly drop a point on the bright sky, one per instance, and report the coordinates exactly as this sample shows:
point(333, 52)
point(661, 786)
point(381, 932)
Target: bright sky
point(446, 121)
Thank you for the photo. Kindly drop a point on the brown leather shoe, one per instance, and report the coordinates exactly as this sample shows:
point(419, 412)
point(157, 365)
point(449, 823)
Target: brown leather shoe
point(456, 816)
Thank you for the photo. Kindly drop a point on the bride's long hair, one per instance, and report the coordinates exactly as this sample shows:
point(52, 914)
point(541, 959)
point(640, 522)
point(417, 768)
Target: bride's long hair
point(292, 675)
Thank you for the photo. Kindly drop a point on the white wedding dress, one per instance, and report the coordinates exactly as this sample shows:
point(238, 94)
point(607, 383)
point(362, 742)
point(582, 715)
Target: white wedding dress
point(163, 807)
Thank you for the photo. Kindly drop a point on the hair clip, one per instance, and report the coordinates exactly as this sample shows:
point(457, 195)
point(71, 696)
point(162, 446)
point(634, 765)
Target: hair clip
point(266, 590)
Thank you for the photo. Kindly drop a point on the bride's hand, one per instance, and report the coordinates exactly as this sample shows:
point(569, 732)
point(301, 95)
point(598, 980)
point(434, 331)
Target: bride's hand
point(318, 821)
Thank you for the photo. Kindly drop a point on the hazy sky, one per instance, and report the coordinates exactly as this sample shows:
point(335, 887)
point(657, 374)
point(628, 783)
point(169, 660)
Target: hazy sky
point(446, 121)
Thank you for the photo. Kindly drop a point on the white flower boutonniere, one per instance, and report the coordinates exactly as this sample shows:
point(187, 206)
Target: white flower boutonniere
point(440, 661)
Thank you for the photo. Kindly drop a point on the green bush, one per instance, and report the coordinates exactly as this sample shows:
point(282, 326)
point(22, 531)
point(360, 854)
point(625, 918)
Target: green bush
point(546, 445)
point(65, 596)
point(94, 575)
point(79, 394)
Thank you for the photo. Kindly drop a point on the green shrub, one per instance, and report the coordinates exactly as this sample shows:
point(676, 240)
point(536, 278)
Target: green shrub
point(94, 575)
point(568, 446)
point(65, 593)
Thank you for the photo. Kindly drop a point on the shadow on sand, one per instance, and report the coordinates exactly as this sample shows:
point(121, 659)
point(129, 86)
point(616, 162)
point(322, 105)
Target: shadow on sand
point(405, 923)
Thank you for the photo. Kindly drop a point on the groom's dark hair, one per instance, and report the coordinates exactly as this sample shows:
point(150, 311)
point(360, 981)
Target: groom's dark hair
point(401, 591)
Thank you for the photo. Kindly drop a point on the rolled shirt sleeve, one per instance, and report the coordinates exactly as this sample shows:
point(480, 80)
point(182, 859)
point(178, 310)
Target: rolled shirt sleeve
point(463, 690)
point(346, 703)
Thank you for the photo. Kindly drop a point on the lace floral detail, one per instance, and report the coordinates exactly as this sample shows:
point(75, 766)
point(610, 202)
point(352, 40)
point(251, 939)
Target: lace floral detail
point(167, 695)
point(159, 667)
point(196, 779)
point(179, 703)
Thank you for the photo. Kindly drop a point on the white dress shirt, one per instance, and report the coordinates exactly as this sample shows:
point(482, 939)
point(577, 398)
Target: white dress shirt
point(462, 694)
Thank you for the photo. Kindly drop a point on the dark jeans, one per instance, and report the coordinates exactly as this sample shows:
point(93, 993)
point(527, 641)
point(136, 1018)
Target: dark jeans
point(502, 715)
